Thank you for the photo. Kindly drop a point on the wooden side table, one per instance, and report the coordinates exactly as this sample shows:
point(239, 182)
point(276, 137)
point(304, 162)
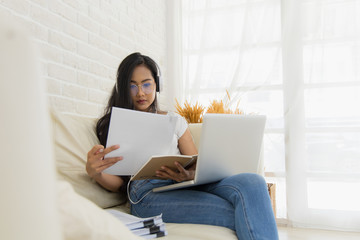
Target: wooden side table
point(272, 193)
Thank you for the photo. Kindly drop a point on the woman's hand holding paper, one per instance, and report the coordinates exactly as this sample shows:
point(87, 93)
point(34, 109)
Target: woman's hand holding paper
point(95, 159)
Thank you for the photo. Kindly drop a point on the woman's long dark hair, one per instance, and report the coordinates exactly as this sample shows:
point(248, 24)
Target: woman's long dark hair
point(120, 96)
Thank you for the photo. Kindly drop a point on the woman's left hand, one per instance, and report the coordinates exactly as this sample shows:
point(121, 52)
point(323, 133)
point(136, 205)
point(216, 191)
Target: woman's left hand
point(180, 175)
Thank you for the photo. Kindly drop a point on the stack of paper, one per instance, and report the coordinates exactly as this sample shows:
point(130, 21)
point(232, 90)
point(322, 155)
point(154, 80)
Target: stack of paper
point(147, 228)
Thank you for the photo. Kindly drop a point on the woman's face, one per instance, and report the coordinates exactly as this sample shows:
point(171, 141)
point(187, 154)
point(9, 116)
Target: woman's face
point(142, 88)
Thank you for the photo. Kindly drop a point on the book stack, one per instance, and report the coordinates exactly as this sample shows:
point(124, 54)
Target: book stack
point(147, 228)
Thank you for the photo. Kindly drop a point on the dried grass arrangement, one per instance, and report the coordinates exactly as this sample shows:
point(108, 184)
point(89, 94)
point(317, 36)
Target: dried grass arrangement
point(220, 107)
point(194, 114)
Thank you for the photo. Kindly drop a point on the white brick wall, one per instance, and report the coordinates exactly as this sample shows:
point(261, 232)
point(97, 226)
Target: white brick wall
point(83, 41)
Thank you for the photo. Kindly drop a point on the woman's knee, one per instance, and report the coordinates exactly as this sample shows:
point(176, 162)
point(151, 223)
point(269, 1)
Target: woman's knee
point(246, 180)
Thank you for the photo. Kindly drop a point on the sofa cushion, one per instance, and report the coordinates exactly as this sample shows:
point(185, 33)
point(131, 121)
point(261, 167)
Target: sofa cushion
point(82, 219)
point(195, 129)
point(73, 137)
point(198, 232)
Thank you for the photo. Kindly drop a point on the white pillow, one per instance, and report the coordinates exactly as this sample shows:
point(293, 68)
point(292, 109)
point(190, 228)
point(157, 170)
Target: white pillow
point(73, 137)
point(82, 219)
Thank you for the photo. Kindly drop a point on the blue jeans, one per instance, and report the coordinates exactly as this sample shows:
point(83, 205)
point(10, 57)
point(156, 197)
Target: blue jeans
point(240, 202)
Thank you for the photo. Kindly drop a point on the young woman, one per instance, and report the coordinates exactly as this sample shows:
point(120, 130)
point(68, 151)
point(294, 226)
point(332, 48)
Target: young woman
point(240, 202)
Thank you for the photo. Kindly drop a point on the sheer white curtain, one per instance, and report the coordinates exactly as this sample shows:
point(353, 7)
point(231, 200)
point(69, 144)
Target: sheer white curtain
point(298, 62)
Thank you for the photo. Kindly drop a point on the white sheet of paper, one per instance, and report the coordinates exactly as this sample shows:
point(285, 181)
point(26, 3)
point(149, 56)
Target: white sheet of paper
point(140, 136)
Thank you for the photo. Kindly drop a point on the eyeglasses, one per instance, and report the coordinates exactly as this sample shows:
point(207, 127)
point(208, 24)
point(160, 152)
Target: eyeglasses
point(146, 88)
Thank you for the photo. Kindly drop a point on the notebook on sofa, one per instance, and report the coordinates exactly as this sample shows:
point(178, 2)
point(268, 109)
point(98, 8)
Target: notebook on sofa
point(229, 144)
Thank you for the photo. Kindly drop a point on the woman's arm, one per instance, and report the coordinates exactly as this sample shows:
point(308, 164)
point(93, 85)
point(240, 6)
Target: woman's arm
point(186, 144)
point(96, 164)
point(109, 182)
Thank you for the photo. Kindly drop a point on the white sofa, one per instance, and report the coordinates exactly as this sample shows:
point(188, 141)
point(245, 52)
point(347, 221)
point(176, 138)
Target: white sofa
point(27, 203)
point(82, 200)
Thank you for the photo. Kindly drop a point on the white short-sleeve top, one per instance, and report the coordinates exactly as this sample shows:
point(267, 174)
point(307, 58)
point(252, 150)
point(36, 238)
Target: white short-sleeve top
point(180, 128)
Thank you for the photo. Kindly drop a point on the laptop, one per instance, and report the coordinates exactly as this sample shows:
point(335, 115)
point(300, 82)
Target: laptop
point(229, 144)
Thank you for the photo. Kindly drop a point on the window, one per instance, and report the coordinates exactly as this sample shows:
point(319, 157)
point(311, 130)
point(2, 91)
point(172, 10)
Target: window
point(297, 62)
